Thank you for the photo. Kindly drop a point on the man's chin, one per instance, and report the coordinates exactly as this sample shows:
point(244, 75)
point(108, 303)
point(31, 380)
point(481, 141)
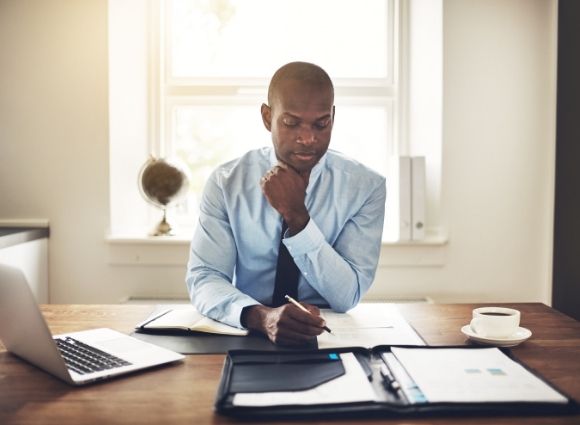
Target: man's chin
point(304, 164)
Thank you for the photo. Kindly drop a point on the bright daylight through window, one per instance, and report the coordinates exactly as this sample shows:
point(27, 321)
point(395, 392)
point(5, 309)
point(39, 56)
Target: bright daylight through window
point(187, 78)
point(216, 58)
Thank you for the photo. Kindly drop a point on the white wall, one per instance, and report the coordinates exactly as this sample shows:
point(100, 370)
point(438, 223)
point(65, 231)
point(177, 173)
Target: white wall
point(498, 156)
point(497, 160)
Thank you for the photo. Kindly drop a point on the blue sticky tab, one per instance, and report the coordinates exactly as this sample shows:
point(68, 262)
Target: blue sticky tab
point(333, 356)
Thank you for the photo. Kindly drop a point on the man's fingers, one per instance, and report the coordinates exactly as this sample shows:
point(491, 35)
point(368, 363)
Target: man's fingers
point(290, 325)
point(271, 172)
point(312, 309)
point(311, 317)
point(302, 321)
point(281, 167)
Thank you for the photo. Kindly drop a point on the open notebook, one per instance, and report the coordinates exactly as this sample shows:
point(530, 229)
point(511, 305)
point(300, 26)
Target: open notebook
point(186, 318)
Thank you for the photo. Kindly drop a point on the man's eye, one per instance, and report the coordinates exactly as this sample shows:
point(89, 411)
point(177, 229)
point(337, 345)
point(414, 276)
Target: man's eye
point(321, 125)
point(289, 123)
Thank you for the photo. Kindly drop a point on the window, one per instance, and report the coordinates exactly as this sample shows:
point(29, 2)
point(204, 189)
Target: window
point(216, 58)
point(187, 78)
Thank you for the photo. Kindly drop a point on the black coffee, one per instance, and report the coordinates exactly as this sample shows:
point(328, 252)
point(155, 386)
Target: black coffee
point(495, 314)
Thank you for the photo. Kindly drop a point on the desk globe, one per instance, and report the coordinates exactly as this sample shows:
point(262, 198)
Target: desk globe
point(162, 182)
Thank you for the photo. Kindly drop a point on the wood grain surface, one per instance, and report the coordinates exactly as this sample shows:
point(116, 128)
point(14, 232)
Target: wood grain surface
point(184, 393)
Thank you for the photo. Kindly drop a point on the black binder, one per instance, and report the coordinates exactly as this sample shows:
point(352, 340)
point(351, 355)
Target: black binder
point(253, 371)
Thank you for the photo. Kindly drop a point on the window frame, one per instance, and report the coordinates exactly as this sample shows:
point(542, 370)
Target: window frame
point(166, 92)
point(137, 126)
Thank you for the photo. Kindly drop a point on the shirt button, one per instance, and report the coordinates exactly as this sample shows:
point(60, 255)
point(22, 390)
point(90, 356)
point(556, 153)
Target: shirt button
point(305, 274)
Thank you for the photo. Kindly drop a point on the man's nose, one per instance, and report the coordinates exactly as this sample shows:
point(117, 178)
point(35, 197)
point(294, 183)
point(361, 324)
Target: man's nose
point(306, 136)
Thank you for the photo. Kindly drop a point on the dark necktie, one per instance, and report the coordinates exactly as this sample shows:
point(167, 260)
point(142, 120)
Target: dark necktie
point(287, 274)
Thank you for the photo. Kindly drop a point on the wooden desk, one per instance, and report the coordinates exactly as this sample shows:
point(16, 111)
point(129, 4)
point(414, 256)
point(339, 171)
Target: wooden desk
point(184, 393)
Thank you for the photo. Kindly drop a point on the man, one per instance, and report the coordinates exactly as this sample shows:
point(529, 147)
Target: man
point(332, 206)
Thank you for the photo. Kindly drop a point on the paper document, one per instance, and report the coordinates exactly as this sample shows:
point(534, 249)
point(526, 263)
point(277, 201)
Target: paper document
point(473, 375)
point(367, 325)
point(351, 387)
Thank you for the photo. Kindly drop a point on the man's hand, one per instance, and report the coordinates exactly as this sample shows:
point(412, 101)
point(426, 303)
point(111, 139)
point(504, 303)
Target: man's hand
point(285, 190)
point(285, 325)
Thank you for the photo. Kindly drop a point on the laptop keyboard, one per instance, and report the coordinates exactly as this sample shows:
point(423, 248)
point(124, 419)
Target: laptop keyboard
point(83, 358)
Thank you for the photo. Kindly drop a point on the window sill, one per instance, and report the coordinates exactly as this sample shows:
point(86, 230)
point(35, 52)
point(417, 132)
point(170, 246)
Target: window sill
point(148, 240)
point(428, 252)
point(174, 251)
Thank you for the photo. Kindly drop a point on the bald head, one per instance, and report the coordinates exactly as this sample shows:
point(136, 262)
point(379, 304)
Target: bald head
point(307, 73)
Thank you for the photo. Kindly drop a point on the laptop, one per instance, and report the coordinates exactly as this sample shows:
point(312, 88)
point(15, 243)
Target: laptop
point(77, 358)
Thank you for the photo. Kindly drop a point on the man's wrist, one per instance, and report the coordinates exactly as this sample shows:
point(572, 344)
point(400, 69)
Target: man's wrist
point(252, 317)
point(297, 224)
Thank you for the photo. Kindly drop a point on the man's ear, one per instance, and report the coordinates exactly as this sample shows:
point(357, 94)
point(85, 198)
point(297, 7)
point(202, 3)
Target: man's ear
point(266, 116)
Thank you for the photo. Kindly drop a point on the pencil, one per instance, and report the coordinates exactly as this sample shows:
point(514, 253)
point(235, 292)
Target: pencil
point(301, 307)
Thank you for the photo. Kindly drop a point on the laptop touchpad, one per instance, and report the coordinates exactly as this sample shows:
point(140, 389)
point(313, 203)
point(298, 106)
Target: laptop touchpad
point(121, 345)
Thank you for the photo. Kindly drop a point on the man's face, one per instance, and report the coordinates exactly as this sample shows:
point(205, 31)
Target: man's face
point(300, 120)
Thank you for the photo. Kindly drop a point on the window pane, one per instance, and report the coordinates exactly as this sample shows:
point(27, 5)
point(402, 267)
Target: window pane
point(209, 135)
point(252, 38)
point(206, 136)
point(363, 133)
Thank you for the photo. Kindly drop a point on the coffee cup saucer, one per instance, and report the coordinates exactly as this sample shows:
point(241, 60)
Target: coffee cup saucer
point(519, 336)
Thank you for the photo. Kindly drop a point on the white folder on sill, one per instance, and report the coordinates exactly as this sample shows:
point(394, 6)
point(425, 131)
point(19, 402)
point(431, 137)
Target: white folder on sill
point(398, 207)
point(418, 197)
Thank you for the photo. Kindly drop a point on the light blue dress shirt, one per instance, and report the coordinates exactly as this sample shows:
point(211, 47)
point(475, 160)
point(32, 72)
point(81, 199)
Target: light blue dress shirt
point(234, 250)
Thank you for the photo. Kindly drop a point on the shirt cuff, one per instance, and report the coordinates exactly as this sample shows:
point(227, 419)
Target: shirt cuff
point(309, 239)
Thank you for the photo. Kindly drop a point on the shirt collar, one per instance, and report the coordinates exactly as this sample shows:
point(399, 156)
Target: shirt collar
point(314, 173)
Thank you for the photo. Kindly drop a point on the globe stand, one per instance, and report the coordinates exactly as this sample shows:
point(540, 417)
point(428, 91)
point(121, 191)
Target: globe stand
point(163, 228)
point(161, 183)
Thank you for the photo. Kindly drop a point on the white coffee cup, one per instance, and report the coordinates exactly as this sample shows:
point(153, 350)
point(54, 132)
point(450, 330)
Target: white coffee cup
point(495, 322)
